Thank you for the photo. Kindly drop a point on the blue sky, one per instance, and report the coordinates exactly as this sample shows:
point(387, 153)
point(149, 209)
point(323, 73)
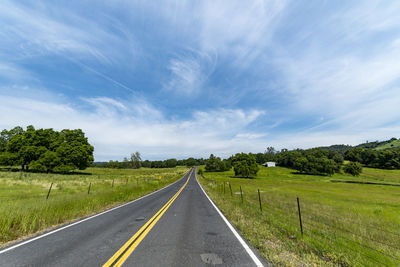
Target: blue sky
point(190, 78)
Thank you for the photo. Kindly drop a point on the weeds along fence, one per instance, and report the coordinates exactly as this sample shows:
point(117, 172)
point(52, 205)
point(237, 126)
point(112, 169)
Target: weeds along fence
point(340, 237)
point(102, 186)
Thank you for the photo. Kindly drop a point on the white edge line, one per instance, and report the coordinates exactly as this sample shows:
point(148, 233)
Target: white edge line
point(237, 235)
point(86, 219)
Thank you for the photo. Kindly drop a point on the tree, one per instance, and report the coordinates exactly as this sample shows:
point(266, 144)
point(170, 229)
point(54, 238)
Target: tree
point(244, 165)
point(46, 149)
point(315, 165)
point(190, 162)
point(215, 164)
point(136, 160)
point(353, 168)
point(171, 163)
point(212, 163)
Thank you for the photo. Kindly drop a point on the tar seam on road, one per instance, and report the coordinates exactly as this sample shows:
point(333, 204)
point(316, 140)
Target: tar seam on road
point(126, 250)
point(86, 219)
point(237, 235)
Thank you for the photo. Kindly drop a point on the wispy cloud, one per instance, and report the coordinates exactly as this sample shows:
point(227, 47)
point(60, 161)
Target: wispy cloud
point(191, 78)
point(112, 126)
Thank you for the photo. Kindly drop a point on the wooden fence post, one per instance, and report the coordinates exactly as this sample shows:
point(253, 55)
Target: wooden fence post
point(230, 187)
point(48, 193)
point(301, 224)
point(259, 199)
point(241, 193)
point(90, 185)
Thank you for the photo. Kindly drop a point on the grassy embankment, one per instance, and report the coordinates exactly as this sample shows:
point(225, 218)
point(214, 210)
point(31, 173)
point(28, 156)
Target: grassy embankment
point(24, 209)
point(344, 224)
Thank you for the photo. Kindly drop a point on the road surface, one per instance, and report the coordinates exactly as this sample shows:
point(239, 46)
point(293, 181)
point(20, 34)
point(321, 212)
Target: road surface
point(175, 226)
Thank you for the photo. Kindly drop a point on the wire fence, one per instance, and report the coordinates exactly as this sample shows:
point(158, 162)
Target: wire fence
point(362, 243)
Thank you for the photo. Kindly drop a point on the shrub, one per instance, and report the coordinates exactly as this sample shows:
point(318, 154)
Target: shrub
point(353, 168)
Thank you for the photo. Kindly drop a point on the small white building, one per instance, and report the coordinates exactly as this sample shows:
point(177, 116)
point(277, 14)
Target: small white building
point(269, 164)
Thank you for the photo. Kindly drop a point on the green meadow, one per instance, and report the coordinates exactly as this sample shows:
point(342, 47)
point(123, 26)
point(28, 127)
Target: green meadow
point(343, 224)
point(24, 209)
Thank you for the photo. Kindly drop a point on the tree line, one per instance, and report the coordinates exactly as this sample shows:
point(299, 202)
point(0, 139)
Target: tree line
point(244, 165)
point(309, 161)
point(137, 162)
point(45, 149)
point(383, 159)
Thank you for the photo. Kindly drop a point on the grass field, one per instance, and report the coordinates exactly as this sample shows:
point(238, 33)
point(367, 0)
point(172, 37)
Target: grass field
point(343, 224)
point(24, 209)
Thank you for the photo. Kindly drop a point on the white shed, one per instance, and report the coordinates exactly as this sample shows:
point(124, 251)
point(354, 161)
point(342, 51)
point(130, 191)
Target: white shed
point(269, 164)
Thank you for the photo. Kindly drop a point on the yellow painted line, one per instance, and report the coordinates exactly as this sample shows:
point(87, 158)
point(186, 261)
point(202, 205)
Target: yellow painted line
point(126, 250)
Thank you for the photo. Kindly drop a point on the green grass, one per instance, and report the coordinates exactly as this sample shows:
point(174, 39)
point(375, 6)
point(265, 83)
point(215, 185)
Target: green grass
point(24, 209)
point(344, 224)
point(393, 144)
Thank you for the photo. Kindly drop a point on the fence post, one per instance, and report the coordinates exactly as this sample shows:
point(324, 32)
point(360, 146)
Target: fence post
point(230, 187)
point(259, 199)
point(224, 187)
point(112, 183)
point(301, 224)
point(48, 193)
point(90, 185)
point(241, 193)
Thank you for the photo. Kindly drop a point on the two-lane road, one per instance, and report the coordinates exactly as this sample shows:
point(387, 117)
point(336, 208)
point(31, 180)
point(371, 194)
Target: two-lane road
point(175, 226)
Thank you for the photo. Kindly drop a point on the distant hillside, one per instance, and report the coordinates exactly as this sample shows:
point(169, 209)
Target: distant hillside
point(391, 145)
point(380, 145)
point(341, 149)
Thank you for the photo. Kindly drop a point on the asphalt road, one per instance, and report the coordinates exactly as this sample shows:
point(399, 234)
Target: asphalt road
point(175, 226)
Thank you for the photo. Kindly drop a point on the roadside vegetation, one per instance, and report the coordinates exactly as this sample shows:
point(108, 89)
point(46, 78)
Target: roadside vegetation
point(24, 209)
point(343, 224)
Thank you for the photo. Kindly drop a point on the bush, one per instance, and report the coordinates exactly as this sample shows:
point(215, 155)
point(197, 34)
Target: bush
point(353, 168)
point(314, 165)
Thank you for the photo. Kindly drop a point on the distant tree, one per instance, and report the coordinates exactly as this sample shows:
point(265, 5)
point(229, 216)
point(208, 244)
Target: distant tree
point(244, 165)
point(315, 165)
point(171, 163)
point(215, 164)
point(146, 163)
point(136, 160)
point(212, 163)
point(353, 168)
point(190, 162)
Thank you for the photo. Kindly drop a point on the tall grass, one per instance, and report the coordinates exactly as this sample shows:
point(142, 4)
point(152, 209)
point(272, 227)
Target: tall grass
point(24, 209)
point(344, 224)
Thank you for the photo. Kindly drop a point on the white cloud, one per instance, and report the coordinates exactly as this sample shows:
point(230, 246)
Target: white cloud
point(118, 133)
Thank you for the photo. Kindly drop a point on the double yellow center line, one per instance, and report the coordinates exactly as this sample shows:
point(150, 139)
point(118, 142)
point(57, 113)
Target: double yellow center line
point(126, 250)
